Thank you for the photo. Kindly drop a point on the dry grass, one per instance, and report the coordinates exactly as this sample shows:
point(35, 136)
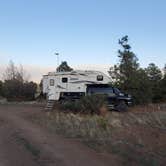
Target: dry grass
point(137, 136)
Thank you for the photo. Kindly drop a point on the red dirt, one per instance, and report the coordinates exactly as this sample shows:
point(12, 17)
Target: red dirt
point(23, 143)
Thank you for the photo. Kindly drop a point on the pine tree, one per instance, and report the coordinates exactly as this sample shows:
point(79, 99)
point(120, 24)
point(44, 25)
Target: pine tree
point(64, 67)
point(154, 75)
point(124, 72)
point(128, 76)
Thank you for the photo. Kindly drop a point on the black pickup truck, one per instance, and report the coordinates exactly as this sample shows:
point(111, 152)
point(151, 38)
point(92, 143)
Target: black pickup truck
point(115, 98)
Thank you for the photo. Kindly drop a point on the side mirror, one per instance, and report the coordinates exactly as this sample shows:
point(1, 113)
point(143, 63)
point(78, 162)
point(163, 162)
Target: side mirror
point(121, 94)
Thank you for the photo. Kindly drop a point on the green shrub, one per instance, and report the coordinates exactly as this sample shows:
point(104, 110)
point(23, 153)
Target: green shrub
point(70, 106)
point(87, 104)
point(1, 88)
point(92, 104)
point(16, 90)
point(103, 123)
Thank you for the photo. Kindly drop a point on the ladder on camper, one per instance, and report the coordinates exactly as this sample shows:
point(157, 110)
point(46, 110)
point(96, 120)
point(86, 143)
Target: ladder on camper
point(50, 105)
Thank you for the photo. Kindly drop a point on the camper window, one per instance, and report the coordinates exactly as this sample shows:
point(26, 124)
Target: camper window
point(99, 78)
point(64, 79)
point(51, 82)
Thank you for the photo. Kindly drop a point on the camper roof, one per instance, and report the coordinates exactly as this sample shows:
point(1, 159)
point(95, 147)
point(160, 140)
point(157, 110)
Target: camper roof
point(75, 72)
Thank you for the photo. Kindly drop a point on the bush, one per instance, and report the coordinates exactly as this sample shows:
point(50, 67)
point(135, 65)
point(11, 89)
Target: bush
point(29, 90)
point(87, 104)
point(1, 88)
point(92, 104)
point(12, 89)
point(70, 105)
point(16, 87)
point(17, 90)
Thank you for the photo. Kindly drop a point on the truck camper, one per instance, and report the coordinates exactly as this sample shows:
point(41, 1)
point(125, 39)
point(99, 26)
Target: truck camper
point(60, 86)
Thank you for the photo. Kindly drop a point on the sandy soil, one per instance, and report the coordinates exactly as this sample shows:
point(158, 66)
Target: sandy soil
point(23, 143)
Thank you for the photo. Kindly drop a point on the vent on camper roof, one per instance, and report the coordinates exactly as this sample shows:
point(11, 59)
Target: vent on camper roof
point(99, 78)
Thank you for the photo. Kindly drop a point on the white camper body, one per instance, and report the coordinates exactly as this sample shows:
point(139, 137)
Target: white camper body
point(55, 84)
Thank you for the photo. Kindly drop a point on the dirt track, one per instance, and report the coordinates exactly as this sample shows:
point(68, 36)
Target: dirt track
point(23, 143)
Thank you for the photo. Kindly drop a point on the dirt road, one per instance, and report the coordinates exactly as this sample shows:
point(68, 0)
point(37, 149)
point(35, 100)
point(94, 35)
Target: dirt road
point(23, 143)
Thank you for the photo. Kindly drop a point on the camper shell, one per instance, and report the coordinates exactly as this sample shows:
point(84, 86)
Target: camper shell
point(57, 85)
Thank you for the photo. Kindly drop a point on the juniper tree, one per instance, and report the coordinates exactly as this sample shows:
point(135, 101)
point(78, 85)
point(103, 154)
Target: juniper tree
point(64, 67)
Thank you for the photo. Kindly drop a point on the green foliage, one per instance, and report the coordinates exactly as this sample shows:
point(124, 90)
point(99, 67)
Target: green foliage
point(103, 123)
point(87, 104)
point(70, 105)
point(12, 89)
point(64, 67)
point(1, 88)
point(162, 89)
point(31, 148)
point(128, 76)
point(165, 70)
point(16, 90)
point(145, 85)
point(128, 60)
point(154, 75)
point(15, 87)
point(92, 104)
point(29, 90)
point(128, 65)
point(141, 89)
point(124, 72)
point(163, 85)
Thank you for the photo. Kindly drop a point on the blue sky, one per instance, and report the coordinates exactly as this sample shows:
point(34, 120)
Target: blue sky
point(82, 31)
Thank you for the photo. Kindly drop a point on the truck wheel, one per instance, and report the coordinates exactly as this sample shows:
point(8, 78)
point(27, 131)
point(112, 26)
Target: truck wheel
point(121, 106)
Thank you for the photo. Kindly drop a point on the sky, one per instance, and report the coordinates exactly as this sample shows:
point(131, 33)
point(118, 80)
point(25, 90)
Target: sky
point(85, 33)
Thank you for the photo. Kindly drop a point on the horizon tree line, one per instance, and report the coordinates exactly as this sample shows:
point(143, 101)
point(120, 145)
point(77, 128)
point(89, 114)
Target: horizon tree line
point(146, 85)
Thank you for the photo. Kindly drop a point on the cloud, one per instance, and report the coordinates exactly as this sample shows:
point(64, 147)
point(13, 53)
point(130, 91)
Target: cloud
point(36, 72)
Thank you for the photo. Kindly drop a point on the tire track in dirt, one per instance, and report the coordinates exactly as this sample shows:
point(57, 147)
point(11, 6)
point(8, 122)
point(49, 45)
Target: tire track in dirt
point(12, 154)
point(29, 145)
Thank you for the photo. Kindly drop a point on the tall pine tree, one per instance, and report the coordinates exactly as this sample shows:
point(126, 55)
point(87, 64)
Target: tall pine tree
point(128, 76)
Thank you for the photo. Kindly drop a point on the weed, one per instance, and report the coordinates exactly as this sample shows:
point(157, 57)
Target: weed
point(103, 123)
point(32, 149)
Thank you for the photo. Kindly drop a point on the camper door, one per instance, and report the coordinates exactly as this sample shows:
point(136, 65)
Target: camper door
point(51, 90)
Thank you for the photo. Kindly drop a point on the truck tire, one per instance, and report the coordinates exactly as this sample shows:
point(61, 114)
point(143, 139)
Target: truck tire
point(121, 106)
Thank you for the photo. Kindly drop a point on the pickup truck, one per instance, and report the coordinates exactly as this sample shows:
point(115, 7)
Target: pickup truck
point(116, 99)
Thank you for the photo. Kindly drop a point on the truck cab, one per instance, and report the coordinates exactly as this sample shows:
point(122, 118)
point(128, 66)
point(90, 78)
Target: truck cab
point(116, 99)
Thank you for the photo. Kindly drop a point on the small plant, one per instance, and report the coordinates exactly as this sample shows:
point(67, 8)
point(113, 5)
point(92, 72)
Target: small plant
point(70, 106)
point(92, 104)
point(103, 123)
point(28, 146)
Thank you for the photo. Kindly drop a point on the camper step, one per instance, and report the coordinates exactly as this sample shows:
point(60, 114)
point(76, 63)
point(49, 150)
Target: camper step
point(50, 105)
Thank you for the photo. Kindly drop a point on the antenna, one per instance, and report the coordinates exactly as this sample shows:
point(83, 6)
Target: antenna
point(57, 54)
